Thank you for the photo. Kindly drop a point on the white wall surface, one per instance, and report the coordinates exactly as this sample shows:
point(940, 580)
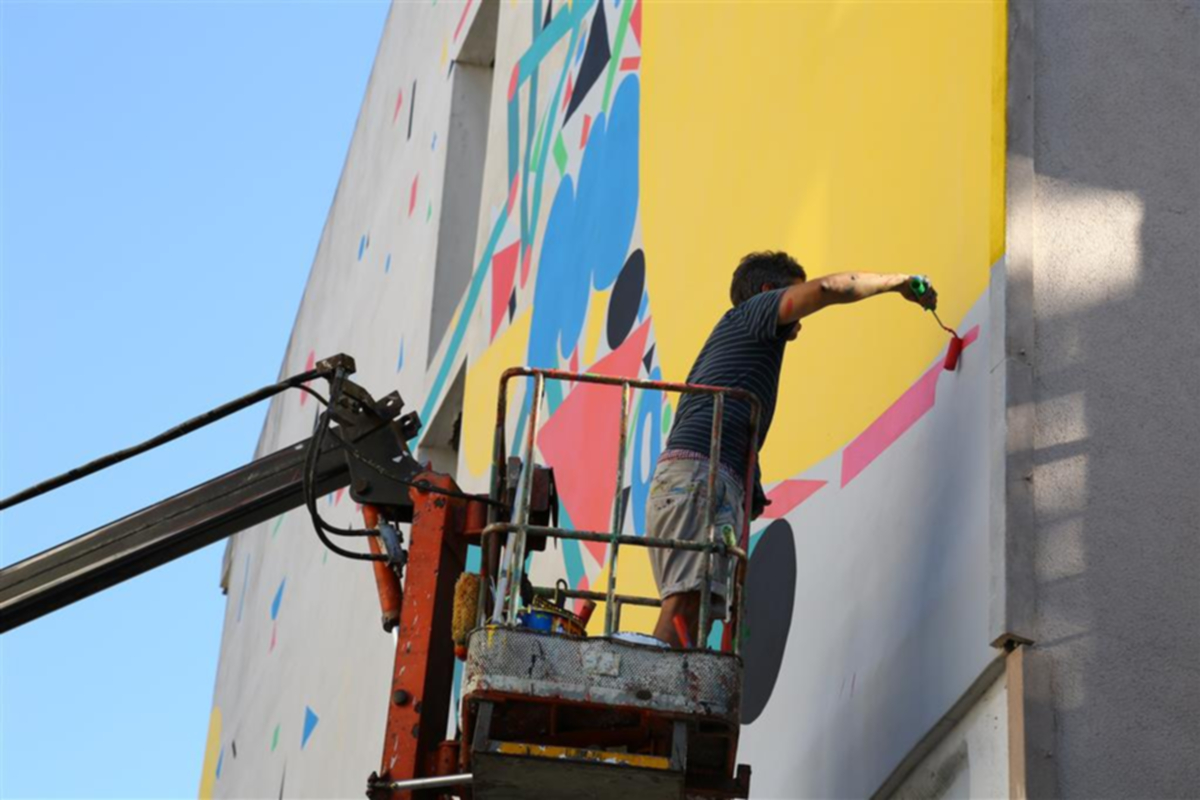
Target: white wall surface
point(971, 760)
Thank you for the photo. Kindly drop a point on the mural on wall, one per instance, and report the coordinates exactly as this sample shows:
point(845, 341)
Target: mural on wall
point(635, 152)
point(857, 137)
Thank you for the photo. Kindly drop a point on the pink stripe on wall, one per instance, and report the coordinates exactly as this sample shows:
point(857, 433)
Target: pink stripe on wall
point(892, 424)
point(788, 495)
point(458, 28)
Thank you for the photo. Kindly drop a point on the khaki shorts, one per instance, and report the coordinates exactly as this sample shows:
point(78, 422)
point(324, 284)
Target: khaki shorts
point(675, 510)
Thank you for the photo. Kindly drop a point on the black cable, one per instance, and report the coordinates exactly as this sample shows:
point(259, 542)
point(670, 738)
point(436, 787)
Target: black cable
point(314, 393)
point(326, 526)
point(313, 454)
point(310, 478)
point(195, 423)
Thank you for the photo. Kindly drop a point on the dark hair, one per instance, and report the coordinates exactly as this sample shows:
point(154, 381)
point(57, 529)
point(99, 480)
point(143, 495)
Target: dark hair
point(774, 269)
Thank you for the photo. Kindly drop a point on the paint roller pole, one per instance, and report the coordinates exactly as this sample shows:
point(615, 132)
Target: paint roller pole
point(710, 519)
point(524, 496)
point(490, 562)
point(920, 285)
point(618, 514)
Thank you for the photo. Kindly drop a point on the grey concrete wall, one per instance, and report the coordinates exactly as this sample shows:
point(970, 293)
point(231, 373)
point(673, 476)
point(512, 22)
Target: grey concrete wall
point(1113, 109)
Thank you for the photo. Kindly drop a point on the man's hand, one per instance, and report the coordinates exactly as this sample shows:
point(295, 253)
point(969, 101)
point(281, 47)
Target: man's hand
point(926, 299)
point(758, 502)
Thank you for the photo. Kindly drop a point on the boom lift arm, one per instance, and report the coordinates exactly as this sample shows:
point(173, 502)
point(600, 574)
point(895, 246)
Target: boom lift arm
point(665, 723)
point(370, 434)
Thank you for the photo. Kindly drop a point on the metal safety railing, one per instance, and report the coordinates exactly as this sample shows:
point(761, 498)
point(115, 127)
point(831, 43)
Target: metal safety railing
point(517, 531)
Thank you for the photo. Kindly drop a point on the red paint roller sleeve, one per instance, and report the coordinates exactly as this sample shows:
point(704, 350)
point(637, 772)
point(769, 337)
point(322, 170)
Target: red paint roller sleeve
point(953, 352)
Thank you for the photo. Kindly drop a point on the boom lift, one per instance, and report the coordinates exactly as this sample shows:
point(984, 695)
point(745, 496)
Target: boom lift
point(546, 710)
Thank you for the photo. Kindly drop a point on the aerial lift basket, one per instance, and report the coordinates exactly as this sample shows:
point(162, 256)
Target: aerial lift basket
point(554, 715)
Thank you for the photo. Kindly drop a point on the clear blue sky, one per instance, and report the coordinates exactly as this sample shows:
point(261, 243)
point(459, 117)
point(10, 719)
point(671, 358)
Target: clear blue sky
point(165, 170)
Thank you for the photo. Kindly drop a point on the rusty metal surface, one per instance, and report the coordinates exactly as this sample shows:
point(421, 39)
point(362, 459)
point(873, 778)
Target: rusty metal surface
point(424, 666)
point(700, 683)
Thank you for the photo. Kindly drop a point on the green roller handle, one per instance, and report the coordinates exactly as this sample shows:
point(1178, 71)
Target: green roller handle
point(919, 285)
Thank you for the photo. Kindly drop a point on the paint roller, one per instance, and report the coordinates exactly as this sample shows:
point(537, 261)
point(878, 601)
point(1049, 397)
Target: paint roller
point(466, 605)
point(920, 285)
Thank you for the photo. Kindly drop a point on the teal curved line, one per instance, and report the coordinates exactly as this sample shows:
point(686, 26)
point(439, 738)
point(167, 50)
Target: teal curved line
point(526, 232)
point(551, 111)
point(460, 328)
point(565, 22)
point(514, 136)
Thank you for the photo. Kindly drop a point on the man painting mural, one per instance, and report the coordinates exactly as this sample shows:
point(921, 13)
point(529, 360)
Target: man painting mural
point(770, 296)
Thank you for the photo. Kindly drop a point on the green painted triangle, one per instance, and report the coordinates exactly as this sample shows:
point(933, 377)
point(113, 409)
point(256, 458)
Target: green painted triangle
point(278, 522)
point(275, 738)
point(560, 153)
point(429, 211)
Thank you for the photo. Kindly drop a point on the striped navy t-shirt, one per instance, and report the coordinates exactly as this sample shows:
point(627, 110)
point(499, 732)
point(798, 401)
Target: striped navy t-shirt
point(744, 351)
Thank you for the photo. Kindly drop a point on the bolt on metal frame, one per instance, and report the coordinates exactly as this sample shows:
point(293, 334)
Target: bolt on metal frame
point(508, 597)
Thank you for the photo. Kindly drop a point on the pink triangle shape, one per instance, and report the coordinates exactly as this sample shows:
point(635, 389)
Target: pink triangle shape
point(504, 271)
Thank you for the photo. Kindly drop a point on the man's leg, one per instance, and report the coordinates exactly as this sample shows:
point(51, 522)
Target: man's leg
point(687, 606)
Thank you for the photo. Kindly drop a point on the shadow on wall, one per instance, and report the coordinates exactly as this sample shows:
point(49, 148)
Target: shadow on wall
point(1115, 296)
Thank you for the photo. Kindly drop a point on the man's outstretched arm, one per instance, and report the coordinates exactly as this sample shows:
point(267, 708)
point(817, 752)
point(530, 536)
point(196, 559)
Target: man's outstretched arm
point(845, 287)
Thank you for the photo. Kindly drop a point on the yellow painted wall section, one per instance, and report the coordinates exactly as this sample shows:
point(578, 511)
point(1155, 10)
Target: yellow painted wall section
point(212, 752)
point(481, 392)
point(634, 577)
point(856, 136)
point(597, 313)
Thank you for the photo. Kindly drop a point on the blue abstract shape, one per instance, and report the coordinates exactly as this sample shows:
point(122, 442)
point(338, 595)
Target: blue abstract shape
point(387, 264)
point(220, 761)
point(362, 245)
point(649, 422)
point(644, 307)
point(579, 52)
point(588, 230)
point(278, 599)
point(561, 293)
point(400, 360)
point(310, 722)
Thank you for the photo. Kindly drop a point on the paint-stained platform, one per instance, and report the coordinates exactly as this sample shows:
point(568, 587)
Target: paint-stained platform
point(597, 671)
point(600, 719)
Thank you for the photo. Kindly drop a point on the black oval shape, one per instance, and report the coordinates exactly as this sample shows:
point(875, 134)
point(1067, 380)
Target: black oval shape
point(770, 598)
point(626, 298)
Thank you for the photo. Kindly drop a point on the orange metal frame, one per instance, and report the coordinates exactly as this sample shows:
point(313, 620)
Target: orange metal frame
point(423, 675)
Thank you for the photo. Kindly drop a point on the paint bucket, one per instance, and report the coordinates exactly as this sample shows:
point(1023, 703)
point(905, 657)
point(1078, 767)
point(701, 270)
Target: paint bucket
point(547, 617)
